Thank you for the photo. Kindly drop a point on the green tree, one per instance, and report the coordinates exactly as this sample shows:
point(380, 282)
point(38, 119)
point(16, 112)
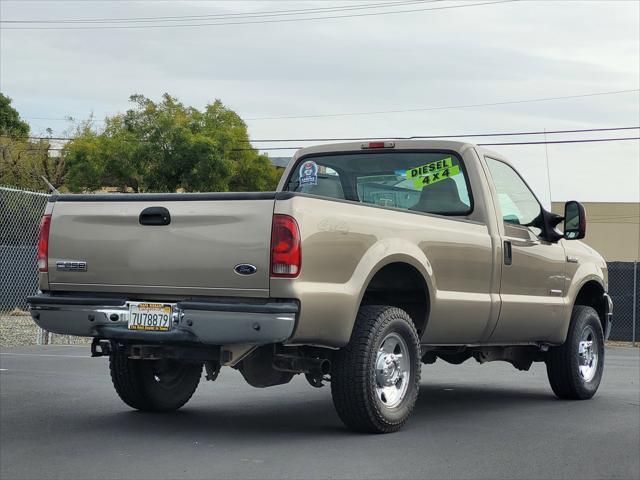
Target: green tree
point(23, 163)
point(167, 146)
point(10, 123)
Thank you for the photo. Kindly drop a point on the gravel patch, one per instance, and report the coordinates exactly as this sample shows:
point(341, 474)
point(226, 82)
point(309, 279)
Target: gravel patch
point(615, 343)
point(55, 339)
point(16, 330)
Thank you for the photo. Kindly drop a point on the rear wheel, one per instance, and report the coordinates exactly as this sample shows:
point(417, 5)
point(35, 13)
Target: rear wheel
point(575, 368)
point(375, 378)
point(154, 385)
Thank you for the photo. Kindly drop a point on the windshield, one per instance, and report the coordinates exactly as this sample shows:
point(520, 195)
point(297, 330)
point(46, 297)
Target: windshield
point(430, 182)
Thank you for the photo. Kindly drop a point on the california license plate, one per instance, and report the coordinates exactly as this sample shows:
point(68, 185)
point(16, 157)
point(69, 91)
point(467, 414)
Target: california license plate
point(155, 317)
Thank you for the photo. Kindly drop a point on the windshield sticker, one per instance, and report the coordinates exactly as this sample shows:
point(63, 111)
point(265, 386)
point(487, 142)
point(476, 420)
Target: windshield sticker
point(309, 173)
point(432, 172)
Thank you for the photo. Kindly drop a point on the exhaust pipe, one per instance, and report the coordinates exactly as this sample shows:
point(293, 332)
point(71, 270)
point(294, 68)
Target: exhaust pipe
point(291, 363)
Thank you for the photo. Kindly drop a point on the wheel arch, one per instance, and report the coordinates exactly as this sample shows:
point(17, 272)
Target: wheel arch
point(329, 310)
point(400, 283)
point(591, 294)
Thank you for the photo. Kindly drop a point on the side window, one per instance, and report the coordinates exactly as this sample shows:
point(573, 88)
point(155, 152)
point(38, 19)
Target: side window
point(519, 205)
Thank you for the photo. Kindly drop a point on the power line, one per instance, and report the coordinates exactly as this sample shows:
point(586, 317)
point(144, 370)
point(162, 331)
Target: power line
point(413, 137)
point(447, 107)
point(612, 217)
point(254, 22)
point(422, 109)
point(465, 135)
point(259, 14)
point(583, 140)
point(613, 222)
point(66, 119)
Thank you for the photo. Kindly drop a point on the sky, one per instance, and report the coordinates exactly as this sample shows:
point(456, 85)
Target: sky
point(424, 58)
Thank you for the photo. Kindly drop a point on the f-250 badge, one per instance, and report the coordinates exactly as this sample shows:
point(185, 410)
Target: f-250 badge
point(71, 266)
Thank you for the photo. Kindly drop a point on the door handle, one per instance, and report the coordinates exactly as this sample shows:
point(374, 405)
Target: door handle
point(155, 216)
point(508, 254)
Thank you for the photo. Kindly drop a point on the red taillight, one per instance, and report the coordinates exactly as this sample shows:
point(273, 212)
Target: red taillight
point(285, 247)
point(43, 244)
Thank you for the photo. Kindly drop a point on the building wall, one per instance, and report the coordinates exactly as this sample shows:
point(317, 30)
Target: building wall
point(613, 229)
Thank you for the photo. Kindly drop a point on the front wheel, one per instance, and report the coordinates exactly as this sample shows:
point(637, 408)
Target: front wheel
point(375, 378)
point(575, 368)
point(154, 385)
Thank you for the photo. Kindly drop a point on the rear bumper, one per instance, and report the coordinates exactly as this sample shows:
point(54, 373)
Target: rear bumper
point(209, 323)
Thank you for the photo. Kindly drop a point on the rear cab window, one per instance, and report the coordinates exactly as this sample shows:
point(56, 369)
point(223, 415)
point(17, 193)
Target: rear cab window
point(426, 182)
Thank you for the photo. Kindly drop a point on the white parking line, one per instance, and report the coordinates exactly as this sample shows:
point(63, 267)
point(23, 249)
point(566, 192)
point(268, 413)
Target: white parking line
point(3, 369)
point(43, 355)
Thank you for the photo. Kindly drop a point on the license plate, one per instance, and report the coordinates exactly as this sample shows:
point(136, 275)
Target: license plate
point(155, 317)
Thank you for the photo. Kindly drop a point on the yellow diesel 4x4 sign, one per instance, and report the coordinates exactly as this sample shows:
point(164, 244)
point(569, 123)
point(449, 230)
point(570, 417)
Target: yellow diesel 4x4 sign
point(432, 172)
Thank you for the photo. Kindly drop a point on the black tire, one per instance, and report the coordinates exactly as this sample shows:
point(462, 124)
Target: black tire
point(354, 375)
point(563, 362)
point(154, 385)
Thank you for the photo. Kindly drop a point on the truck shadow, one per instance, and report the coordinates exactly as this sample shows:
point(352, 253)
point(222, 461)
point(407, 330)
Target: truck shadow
point(447, 399)
point(437, 405)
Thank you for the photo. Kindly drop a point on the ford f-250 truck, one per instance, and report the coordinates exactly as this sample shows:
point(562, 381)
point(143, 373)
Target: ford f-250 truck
point(369, 259)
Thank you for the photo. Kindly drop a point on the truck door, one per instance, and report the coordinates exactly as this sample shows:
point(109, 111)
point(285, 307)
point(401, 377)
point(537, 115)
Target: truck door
point(532, 287)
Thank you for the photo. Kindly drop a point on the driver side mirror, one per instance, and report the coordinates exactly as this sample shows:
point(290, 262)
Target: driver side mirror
point(575, 221)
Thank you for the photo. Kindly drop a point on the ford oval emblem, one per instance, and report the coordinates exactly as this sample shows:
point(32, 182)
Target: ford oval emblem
point(245, 269)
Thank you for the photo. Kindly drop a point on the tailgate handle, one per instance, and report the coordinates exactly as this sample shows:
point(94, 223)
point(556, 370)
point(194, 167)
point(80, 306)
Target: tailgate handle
point(155, 216)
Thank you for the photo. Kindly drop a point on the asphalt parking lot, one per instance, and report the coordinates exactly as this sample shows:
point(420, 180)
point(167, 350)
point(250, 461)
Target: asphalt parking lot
point(60, 418)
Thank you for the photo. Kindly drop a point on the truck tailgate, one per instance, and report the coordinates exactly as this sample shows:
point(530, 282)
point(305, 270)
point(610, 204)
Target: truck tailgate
point(195, 254)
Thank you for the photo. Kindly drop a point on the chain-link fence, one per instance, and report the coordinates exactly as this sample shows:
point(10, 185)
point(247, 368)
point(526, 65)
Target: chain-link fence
point(624, 288)
point(20, 213)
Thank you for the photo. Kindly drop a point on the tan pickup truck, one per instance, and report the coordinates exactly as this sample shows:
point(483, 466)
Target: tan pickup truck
point(370, 259)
